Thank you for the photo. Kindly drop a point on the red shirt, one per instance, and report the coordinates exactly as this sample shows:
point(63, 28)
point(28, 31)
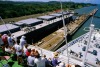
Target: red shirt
point(28, 53)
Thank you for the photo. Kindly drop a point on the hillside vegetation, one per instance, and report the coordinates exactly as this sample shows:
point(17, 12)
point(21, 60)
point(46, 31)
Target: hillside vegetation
point(9, 9)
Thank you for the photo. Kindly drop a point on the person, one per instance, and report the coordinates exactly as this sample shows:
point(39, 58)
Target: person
point(68, 65)
point(25, 49)
point(14, 38)
point(22, 41)
point(4, 38)
point(10, 41)
point(30, 61)
point(1, 41)
point(50, 62)
point(18, 53)
point(46, 61)
point(61, 65)
point(28, 52)
point(33, 52)
point(55, 60)
point(7, 49)
point(40, 62)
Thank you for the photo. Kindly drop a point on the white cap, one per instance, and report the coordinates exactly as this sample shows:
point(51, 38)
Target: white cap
point(23, 37)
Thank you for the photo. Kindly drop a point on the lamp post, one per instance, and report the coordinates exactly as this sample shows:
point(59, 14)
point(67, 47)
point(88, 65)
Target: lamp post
point(65, 31)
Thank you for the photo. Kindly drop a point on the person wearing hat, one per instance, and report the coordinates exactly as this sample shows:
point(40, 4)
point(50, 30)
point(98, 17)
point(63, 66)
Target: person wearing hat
point(55, 59)
point(22, 41)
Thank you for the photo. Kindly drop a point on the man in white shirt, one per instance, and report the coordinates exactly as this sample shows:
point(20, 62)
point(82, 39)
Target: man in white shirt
point(30, 61)
point(10, 41)
point(14, 38)
point(18, 49)
point(22, 41)
point(18, 52)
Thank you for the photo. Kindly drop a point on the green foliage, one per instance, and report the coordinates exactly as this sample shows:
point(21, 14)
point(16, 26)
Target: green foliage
point(9, 9)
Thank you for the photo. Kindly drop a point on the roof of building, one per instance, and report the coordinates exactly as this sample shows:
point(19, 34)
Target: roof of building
point(19, 23)
point(65, 13)
point(56, 14)
point(9, 26)
point(46, 17)
point(28, 21)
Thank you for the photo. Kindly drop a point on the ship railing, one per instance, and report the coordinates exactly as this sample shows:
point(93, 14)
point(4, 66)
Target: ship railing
point(71, 43)
point(87, 63)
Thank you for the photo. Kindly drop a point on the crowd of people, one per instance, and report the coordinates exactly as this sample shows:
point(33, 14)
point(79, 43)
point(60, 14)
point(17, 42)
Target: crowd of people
point(25, 55)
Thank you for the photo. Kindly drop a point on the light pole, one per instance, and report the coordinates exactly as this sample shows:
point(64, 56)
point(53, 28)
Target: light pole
point(65, 31)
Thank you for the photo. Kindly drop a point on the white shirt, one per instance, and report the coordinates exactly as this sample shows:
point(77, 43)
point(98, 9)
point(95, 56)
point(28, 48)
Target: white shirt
point(15, 46)
point(7, 49)
point(40, 62)
point(14, 38)
point(22, 42)
point(18, 48)
point(30, 61)
point(25, 49)
point(10, 41)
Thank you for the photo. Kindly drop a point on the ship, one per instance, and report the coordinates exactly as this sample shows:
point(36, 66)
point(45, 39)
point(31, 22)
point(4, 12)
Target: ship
point(83, 51)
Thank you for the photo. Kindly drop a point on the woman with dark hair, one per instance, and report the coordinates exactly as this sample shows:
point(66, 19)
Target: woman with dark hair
point(40, 62)
point(30, 60)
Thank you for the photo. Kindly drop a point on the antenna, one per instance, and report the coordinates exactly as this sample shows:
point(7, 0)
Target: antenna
point(5, 25)
point(65, 31)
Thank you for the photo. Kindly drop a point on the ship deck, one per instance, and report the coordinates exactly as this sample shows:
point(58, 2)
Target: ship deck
point(49, 54)
point(77, 46)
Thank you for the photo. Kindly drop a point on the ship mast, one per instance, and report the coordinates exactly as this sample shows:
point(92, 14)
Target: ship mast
point(89, 40)
point(87, 47)
point(65, 31)
point(5, 25)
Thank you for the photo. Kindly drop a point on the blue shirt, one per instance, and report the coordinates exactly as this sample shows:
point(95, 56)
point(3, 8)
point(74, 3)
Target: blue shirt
point(54, 62)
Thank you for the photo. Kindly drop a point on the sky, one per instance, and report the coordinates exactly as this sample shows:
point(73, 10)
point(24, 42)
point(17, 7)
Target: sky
point(85, 1)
